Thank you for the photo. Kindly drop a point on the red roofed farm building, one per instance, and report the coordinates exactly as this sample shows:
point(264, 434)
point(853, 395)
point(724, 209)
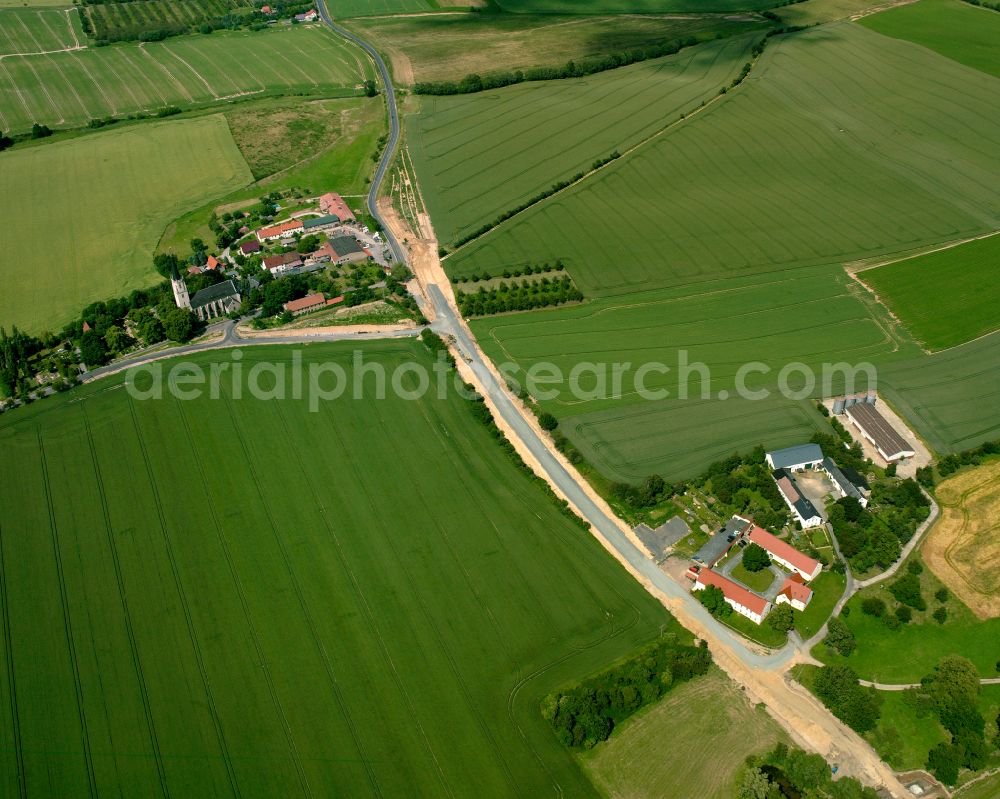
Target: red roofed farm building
point(311, 302)
point(282, 231)
point(795, 592)
point(785, 554)
point(333, 203)
point(742, 600)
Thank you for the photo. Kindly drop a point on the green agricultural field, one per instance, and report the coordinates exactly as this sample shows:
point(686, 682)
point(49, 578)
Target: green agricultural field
point(479, 155)
point(723, 324)
point(629, 6)
point(68, 89)
point(35, 4)
point(219, 596)
point(725, 237)
point(745, 186)
point(951, 398)
point(944, 298)
point(815, 12)
point(450, 46)
point(333, 142)
point(905, 655)
point(90, 235)
point(951, 27)
point(130, 20)
point(365, 8)
point(29, 30)
point(690, 744)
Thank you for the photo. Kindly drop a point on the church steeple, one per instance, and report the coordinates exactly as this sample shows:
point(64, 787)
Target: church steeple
point(179, 286)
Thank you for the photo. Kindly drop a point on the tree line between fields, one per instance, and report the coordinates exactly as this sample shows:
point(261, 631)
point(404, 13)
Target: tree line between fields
point(518, 295)
point(949, 695)
point(474, 82)
point(587, 713)
point(572, 71)
point(108, 21)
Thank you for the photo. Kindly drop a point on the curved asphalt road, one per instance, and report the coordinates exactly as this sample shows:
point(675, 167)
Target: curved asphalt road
point(390, 147)
point(446, 323)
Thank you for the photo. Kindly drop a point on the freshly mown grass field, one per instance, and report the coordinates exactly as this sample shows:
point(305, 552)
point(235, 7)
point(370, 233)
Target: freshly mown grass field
point(827, 589)
point(239, 596)
point(482, 154)
point(944, 298)
point(905, 655)
point(691, 743)
point(30, 30)
point(314, 146)
point(812, 315)
point(955, 29)
point(90, 234)
point(745, 186)
point(70, 88)
point(450, 46)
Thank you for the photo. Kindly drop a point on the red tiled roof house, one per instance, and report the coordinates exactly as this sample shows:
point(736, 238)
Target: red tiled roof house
point(795, 592)
point(742, 600)
point(785, 554)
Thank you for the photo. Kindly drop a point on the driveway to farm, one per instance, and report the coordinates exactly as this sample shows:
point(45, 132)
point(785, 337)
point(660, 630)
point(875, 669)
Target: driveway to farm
point(763, 674)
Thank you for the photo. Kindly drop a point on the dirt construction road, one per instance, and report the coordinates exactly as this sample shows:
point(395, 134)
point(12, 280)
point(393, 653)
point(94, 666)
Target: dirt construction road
point(764, 677)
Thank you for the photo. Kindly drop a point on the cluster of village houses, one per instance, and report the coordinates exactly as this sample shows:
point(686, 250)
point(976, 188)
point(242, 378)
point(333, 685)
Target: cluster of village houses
point(347, 242)
point(785, 464)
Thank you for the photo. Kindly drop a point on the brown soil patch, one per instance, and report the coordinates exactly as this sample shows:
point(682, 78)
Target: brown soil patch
point(963, 548)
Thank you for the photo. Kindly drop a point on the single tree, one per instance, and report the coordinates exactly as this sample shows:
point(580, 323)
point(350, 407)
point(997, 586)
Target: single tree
point(781, 618)
point(755, 558)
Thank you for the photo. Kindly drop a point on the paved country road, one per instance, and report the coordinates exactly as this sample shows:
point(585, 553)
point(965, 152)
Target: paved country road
point(231, 339)
point(763, 674)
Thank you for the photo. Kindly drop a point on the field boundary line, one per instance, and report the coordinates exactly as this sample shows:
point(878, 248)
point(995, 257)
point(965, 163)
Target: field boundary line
point(363, 600)
point(182, 596)
point(865, 267)
point(268, 679)
point(67, 620)
point(122, 595)
point(306, 613)
point(685, 116)
point(11, 679)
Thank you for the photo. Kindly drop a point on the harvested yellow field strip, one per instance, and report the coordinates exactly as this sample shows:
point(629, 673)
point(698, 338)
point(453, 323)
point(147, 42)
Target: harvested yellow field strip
point(963, 548)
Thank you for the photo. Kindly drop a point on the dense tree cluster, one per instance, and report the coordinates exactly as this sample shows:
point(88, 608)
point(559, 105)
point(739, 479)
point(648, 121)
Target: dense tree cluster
point(984, 4)
point(714, 600)
point(857, 706)
point(518, 295)
point(755, 558)
point(792, 772)
point(874, 536)
point(952, 693)
point(839, 636)
point(586, 714)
